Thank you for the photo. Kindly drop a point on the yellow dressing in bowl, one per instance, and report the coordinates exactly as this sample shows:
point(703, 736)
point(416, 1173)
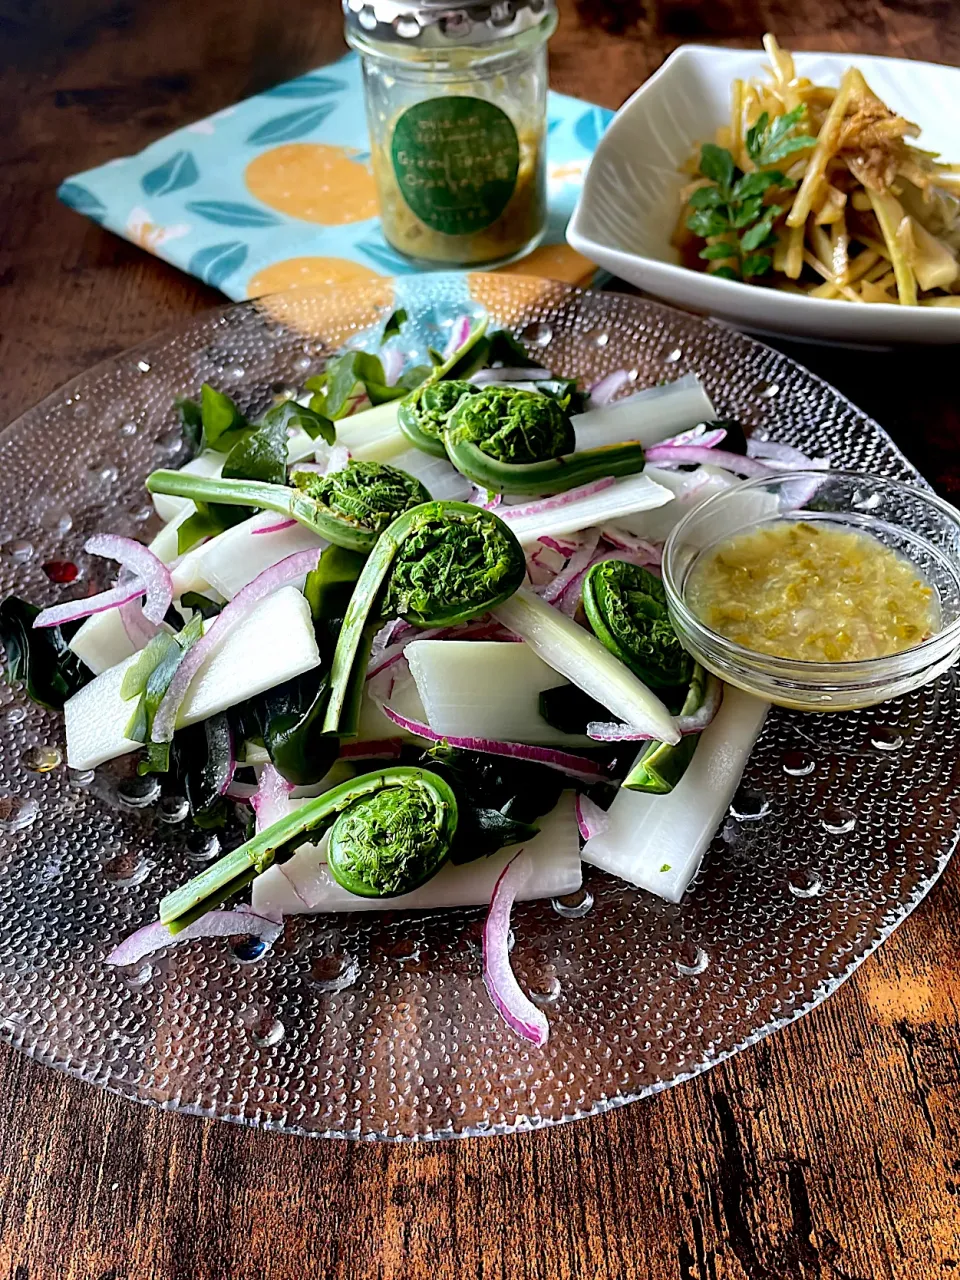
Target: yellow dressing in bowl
point(815, 592)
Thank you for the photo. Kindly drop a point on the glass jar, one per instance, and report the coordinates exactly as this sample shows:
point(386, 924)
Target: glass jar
point(456, 106)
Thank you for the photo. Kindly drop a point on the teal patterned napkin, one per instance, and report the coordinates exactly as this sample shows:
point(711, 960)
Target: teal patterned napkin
point(277, 190)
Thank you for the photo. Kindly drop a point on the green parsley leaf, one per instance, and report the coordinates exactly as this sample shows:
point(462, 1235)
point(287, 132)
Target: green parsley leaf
point(756, 264)
point(717, 252)
point(717, 164)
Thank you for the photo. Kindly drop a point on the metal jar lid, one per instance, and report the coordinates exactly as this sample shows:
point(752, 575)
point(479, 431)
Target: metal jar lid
point(438, 24)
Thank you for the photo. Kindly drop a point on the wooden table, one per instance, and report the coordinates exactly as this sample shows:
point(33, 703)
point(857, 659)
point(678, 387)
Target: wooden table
point(831, 1150)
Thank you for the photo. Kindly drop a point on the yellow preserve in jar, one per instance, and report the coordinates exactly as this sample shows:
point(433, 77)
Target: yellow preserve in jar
point(814, 591)
point(456, 108)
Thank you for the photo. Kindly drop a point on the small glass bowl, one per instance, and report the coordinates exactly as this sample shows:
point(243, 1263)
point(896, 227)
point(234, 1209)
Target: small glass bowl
point(912, 521)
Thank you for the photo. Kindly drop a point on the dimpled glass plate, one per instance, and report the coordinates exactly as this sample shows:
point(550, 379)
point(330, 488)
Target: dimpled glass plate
point(378, 1026)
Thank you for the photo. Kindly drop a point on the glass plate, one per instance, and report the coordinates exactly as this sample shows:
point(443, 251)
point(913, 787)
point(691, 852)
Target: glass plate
point(378, 1026)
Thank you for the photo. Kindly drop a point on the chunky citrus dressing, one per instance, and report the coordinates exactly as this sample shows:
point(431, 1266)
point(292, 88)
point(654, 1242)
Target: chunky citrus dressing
point(812, 591)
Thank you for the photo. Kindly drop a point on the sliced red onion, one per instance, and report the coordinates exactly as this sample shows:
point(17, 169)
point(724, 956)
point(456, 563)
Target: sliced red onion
point(143, 564)
point(578, 563)
point(602, 392)
point(272, 799)
point(646, 552)
point(139, 631)
point(462, 328)
point(214, 924)
point(318, 468)
point(379, 749)
point(392, 361)
point(264, 584)
point(785, 454)
point(511, 1002)
point(73, 610)
point(275, 528)
point(591, 819)
point(700, 437)
point(603, 731)
point(663, 455)
point(562, 546)
point(581, 767)
point(490, 377)
point(556, 501)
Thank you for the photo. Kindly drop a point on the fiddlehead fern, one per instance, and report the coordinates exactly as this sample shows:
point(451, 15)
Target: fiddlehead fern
point(627, 608)
point(391, 831)
point(515, 441)
point(424, 414)
point(348, 508)
point(440, 564)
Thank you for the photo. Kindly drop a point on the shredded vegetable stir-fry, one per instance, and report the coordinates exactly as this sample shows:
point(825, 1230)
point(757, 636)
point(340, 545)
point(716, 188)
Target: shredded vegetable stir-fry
point(822, 191)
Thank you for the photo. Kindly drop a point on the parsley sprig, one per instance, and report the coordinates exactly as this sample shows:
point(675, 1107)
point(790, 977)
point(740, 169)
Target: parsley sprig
point(733, 207)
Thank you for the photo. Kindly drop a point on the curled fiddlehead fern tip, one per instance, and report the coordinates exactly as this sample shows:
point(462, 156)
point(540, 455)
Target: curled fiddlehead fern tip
point(367, 494)
point(512, 425)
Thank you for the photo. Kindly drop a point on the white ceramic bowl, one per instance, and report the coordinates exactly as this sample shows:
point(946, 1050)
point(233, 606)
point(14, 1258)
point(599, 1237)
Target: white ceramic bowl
point(628, 207)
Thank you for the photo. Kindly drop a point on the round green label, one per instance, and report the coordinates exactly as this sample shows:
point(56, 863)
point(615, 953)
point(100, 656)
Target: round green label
point(456, 161)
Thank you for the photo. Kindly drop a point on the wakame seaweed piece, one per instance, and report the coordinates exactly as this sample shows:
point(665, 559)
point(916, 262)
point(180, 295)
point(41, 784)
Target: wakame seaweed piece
point(569, 709)
point(201, 757)
point(223, 423)
point(499, 799)
point(191, 424)
point(206, 607)
point(373, 490)
point(391, 832)
point(40, 659)
point(626, 607)
point(437, 565)
point(292, 720)
point(347, 376)
point(565, 391)
point(510, 440)
point(660, 766)
point(423, 416)
point(736, 439)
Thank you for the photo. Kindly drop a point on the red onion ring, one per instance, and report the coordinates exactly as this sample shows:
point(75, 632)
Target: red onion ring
point(555, 502)
point(580, 767)
point(214, 924)
point(73, 610)
point(591, 819)
point(679, 455)
point(143, 564)
point(511, 1002)
point(271, 801)
point(264, 584)
point(578, 563)
point(275, 528)
point(460, 332)
point(613, 731)
point(602, 392)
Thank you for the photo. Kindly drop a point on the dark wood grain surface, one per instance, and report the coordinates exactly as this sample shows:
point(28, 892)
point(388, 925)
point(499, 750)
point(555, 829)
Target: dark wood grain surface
point(829, 1151)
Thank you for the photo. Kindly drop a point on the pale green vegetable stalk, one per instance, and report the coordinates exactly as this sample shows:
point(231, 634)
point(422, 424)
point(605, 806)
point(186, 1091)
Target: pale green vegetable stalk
point(580, 657)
